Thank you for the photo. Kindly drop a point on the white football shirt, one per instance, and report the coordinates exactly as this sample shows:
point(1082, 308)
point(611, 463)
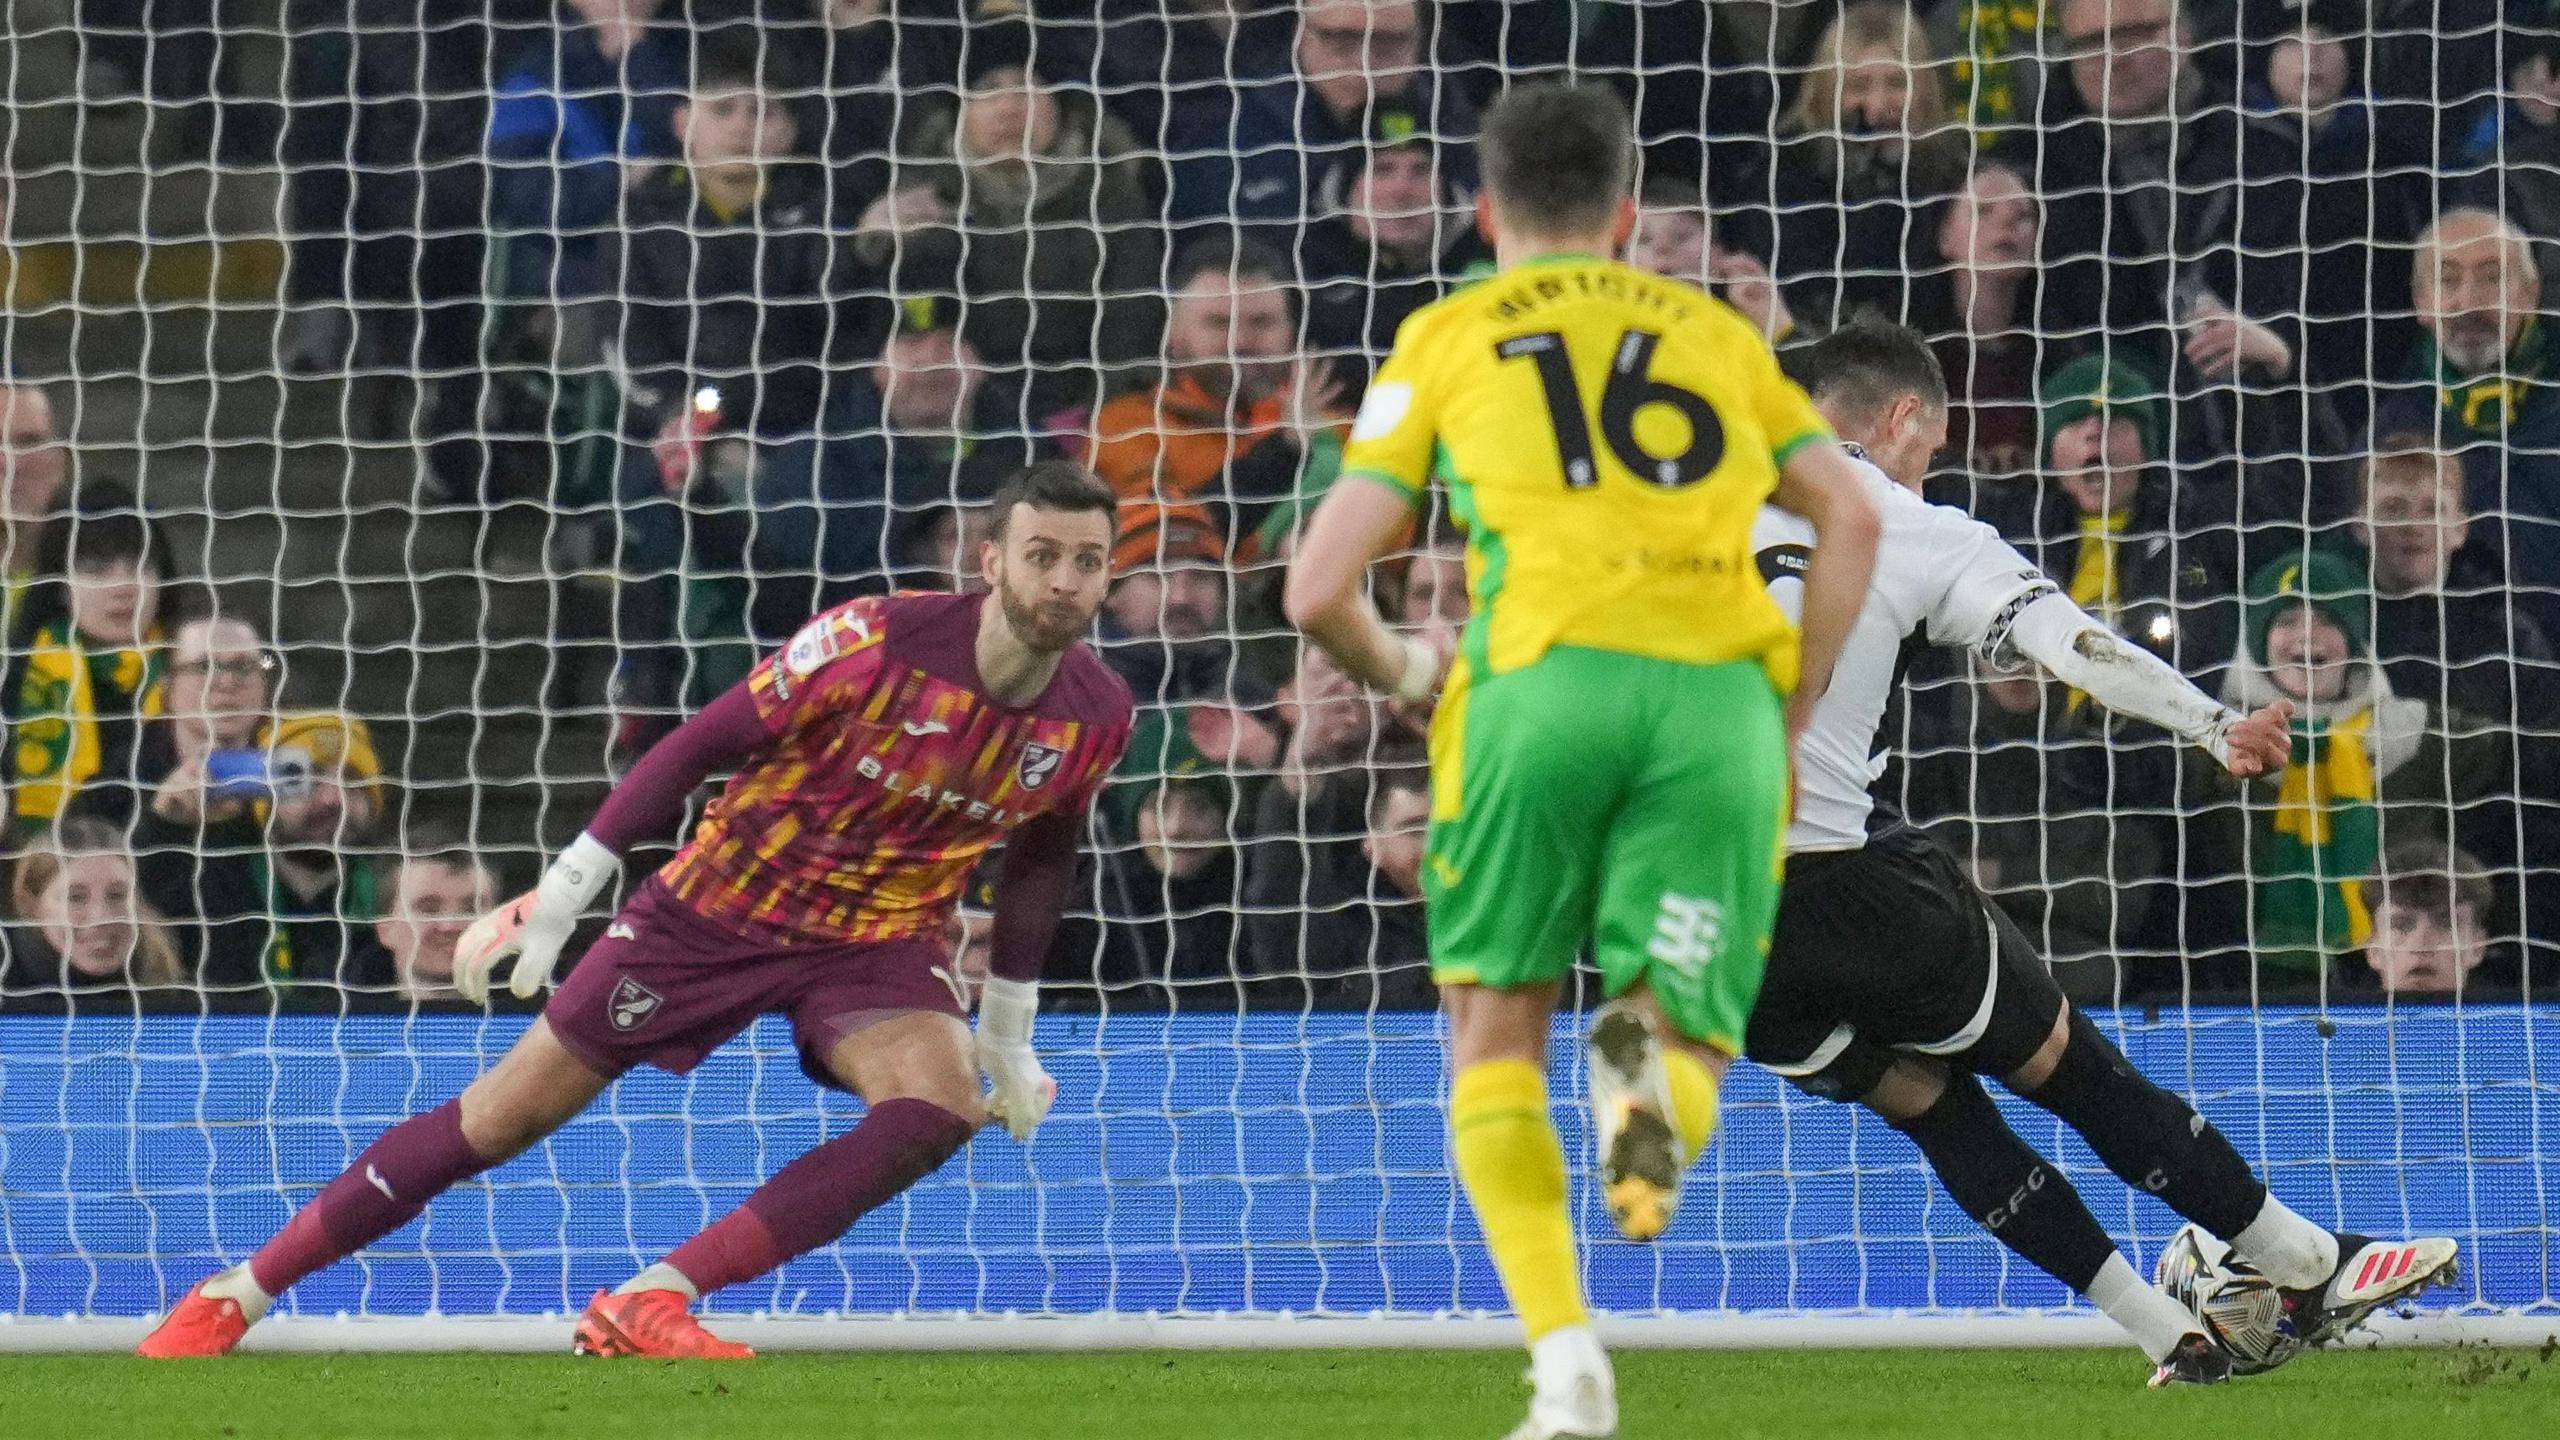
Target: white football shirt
point(1936, 567)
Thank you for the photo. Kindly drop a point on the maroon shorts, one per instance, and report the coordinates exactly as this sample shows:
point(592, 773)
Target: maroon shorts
point(667, 985)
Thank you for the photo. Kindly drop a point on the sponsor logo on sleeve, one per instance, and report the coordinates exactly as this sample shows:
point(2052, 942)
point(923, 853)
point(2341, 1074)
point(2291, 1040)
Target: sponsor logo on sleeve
point(814, 646)
point(1382, 411)
point(1039, 762)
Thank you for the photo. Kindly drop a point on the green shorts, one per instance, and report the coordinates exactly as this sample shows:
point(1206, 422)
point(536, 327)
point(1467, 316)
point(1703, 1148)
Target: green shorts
point(1635, 803)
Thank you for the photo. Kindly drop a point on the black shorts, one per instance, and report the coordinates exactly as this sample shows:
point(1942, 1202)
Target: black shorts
point(1892, 948)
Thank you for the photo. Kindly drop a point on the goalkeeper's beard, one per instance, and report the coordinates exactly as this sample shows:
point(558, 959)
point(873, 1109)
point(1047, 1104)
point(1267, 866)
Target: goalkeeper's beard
point(1045, 627)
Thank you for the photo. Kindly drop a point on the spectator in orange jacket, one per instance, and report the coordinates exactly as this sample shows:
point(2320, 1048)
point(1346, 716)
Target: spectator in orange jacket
point(1227, 427)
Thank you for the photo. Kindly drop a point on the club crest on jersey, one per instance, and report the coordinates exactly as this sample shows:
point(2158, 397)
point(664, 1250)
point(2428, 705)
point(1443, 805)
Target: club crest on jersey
point(1039, 762)
point(632, 1003)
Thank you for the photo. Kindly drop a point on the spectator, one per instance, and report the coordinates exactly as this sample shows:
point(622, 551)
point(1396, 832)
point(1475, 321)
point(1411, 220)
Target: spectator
point(729, 277)
point(1039, 218)
point(2517, 141)
point(1671, 231)
point(1432, 593)
point(1390, 237)
point(2106, 524)
point(583, 113)
point(1310, 893)
point(219, 700)
point(1227, 426)
point(2442, 628)
point(91, 674)
point(922, 429)
point(1399, 828)
point(1399, 831)
point(868, 58)
point(2111, 166)
point(2178, 228)
point(382, 144)
point(943, 546)
point(2483, 382)
point(1169, 898)
point(35, 478)
point(736, 301)
point(436, 892)
point(1701, 80)
point(272, 888)
point(1867, 141)
point(81, 924)
point(2370, 768)
point(1981, 306)
point(1675, 236)
point(2430, 923)
point(1169, 631)
point(2017, 786)
point(2311, 136)
point(1253, 151)
point(1153, 59)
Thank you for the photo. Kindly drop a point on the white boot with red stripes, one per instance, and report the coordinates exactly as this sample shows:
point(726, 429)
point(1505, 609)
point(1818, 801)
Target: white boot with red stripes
point(2371, 1274)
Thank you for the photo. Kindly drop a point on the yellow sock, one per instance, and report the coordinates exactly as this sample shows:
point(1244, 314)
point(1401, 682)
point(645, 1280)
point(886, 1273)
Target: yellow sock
point(1513, 1167)
point(1693, 1098)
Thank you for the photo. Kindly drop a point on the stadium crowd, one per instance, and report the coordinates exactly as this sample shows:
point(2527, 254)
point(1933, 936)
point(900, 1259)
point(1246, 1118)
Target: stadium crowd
point(2240, 308)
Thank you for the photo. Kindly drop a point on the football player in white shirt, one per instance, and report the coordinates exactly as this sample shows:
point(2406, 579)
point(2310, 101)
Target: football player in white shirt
point(1894, 982)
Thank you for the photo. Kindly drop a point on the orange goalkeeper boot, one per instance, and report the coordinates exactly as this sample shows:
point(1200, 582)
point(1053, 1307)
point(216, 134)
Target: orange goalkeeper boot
point(652, 1323)
point(199, 1325)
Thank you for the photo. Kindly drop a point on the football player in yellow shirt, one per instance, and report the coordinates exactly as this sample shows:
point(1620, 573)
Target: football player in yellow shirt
point(1609, 757)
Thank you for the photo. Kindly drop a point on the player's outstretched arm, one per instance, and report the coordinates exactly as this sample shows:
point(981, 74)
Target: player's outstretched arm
point(1038, 873)
point(1359, 519)
point(534, 927)
point(2124, 677)
point(1819, 483)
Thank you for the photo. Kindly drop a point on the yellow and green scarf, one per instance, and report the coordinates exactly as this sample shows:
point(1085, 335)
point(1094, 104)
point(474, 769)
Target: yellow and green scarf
point(55, 747)
point(2487, 404)
point(2322, 844)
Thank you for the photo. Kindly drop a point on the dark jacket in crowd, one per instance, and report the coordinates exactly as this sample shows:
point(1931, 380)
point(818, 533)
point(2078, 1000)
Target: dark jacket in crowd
point(760, 305)
point(1060, 261)
point(1356, 294)
point(1256, 152)
point(1317, 912)
point(563, 121)
point(2176, 577)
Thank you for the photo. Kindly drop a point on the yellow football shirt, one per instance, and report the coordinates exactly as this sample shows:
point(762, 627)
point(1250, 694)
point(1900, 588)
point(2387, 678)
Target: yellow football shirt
point(1606, 437)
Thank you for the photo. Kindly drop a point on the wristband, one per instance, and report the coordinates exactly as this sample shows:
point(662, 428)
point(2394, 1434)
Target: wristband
point(1005, 1008)
point(1421, 668)
point(579, 875)
point(2216, 739)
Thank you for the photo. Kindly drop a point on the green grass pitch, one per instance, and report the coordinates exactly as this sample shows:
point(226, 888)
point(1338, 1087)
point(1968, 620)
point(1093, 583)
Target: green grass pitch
point(2474, 1394)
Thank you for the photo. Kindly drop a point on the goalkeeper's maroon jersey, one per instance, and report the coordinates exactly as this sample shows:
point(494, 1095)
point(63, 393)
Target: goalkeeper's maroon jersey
point(889, 773)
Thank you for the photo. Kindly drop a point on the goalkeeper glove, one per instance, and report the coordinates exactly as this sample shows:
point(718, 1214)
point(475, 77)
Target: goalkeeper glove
point(1019, 1090)
point(534, 926)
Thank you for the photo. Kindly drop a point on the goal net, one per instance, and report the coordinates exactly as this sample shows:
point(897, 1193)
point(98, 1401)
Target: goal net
point(413, 409)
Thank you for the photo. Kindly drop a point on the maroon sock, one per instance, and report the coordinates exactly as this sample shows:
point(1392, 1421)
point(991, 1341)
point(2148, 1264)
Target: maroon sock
point(408, 1165)
point(817, 1197)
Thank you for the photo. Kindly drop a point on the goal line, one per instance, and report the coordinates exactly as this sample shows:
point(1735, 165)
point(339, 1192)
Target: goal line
point(1861, 1331)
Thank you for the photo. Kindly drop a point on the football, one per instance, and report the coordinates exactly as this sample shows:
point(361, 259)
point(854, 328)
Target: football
point(2238, 1306)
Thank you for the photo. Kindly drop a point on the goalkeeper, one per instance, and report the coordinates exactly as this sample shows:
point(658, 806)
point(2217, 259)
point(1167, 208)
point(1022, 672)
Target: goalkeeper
point(1605, 437)
point(1892, 980)
point(877, 757)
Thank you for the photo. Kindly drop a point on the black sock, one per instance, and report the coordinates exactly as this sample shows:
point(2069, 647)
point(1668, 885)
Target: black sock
point(2016, 1194)
point(2154, 1141)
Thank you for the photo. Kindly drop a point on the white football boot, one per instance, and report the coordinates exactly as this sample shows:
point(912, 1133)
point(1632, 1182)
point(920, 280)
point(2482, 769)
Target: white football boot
point(1576, 1390)
point(1641, 1157)
point(2370, 1275)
